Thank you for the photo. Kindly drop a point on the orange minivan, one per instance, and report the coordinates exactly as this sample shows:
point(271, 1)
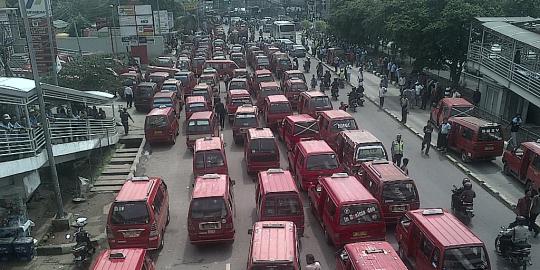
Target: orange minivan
point(196, 104)
point(292, 89)
point(347, 212)
point(235, 99)
point(161, 125)
point(369, 256)
point(224, 67)
point(261, 151)
point(354, 147)
point(449, 107)
point(395, 190)
point(433, 239)
point(278, 198)
point(313, 102)
point(245, 117)
point(475, 138)
point(211, 210)
point(201, 125)
point(297, 127)
point(267, 89)
point(275, 109)
point(332, 122)
point(274, 245)
point(209, 156)
point(124, 259)
point(139, 214)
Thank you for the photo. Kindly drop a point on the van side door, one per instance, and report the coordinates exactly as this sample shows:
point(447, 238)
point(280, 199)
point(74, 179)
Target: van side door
point(427, 255)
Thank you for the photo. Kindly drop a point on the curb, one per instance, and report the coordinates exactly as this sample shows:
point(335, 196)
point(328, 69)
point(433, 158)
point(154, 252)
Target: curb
point(135, 163)
point(481, 182)
point(66, 248)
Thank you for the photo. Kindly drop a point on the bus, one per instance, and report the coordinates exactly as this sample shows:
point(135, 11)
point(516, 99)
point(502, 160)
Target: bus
point(284, 29)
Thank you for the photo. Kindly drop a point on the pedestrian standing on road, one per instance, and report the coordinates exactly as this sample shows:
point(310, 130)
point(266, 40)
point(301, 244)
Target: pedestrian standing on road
point(313, 82)
point(447, 92)
point(426, 141)
point(397, 150)
point(442, 139)
point(393, 69)
point(418, 89)
point(221, 112)
point(515, 124)
point(477, 95)
point(401, 83)
point(124, 117)
point(383, 88)
point(404, 166)
point(426, 92)
point(404, 101)
point(128, 95)
point(533, 213)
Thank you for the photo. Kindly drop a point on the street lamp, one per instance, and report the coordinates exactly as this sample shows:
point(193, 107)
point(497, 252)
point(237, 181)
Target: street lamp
point(111, 26)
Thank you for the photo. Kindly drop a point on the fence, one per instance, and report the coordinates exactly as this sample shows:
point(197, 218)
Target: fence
point(20, 143)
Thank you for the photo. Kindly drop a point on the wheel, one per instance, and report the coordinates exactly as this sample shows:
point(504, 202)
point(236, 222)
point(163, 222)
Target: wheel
point(506, 169)
point(161, 241)
point(173, 139)
point(498, 245)
point(464, 157)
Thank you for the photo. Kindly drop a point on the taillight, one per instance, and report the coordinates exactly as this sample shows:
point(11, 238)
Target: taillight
point(154, 230)
point(109, 233)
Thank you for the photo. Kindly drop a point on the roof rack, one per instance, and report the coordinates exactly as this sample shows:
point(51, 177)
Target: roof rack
point(275, 170)
point(211, 176)
point(139, 178)
point(375, 251)
point(340, 175)
point(273, 225)
point(431, 212)
point(117, 255)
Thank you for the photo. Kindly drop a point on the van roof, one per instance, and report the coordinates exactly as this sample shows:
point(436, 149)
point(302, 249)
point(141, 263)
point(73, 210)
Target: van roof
point(238, 92)
point(165, 94)
point(471, 121)
point(190, 99)
point(277, 98)
point(273, 241)
point(120, 259)
point(201, 86)
point(201, 115)
point(311, 94)
point(277, 181)
point(332, 114)
point(293, 71)
point(300, 118)
point(269, 84)
point(246, 109)
point(457, 102)
point(260, 133)
point(262, 72)
point(359, 136)
point(136, 189)
point(160, 111)
point(387, 171)
point(207, 144)
point(374, 255)
point(315, 146)
point(296, 81)
point(210, 185)
point(238, 80)
point(344, 188)
point(445, 228)
point(159, 73)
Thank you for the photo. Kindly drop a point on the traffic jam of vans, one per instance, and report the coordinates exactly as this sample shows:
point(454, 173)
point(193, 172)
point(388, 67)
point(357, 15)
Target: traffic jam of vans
point(310, 167)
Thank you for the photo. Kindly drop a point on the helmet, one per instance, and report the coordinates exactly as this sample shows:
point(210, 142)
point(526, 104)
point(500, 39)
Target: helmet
point(398, 135)
point(467, 185)
point(465, 180)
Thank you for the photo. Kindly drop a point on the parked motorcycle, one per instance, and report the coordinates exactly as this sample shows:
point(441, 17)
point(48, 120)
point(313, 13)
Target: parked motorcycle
point(518, 255)
point(84, 249)
point(465, 210)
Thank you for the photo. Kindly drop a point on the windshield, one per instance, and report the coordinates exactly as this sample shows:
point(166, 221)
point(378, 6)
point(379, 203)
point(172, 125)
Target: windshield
point(158, 102)
point(286, 28)
point(129, 82)
point(237, 58)
point(197, 107)
point(237, 85)
point(169, 87)
point(359, 213)
point(208, 208)
point(321, 103)
point(183, 65)
point(282, 206)
point(146, 91)
point(265, 78)
point(207, 80)
point(202, 93)
point(199, 125)
point(298, 87)
point(322, 162)
point(156, 121)
point(262, 61)
point(125, 213)
point(265, 92)
point(399, 191)
point(263, 145)
point(182, 78)
point(285, 62)
point(280, 108)
point(370, 152)
point(490, 134)
point(343, 124)
point(245, 120)
point(199, 62)
point(306, 128)
point(157, 79)
point(465, 258)
point(209, 159)
point(241, 101)
point(462, 111)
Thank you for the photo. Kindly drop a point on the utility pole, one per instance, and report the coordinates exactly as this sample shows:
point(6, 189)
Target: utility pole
point(50, 155)
point(77, 35)
point(158, 17)
point(111, 29)
point(51, 43)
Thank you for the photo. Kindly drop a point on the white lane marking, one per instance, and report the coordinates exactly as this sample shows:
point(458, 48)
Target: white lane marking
point(228, 266)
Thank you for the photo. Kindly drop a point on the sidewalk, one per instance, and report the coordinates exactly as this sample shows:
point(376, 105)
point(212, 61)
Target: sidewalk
point(487, 174)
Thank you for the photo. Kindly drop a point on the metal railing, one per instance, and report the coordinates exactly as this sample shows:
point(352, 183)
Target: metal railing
point(25, 142)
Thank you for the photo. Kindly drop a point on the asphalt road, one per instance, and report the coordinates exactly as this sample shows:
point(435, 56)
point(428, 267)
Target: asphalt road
point(434, 177)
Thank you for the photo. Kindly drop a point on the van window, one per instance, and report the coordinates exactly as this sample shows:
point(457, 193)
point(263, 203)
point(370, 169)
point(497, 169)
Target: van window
point(490, 134)
point(245, 120)
point(158, 102)
point(241, 101)
point(468, 258)
point(536, 163)
point(436, 257)
point(208, 208)
point(467, 133)
point(280, 108)
point(237, 85)
point(158, 202)
point(359, 213)
point(265, 78)
point(169, 87)
point(129, 213)
point(322, 162)
point(282, 206)
point(427, 247)
point(263, 145)
point(320, 103)
point(156, 121)
point(399, 191)
point(343, 124)
point(298, 87)
point(208, 159)
point(330, 207)
point(197, 107)
point(370, 152)
point(198, 125)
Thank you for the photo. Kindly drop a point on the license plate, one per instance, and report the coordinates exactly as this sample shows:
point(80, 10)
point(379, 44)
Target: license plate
point(131, 234)
point(211, 231)
point(489, 148)
point(400, 208)
point(158, 132)
point(210, 226)
point(360, 234)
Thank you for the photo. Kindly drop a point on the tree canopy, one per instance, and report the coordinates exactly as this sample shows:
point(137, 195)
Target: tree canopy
point(93, 72)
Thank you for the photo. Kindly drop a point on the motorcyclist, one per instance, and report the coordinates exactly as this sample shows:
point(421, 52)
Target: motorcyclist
point(515, 236)
point(313, 82)
point(464, 194)
point(327, 77)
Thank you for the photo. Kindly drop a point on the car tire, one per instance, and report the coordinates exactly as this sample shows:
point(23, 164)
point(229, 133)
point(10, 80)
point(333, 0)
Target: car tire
point(465, 158)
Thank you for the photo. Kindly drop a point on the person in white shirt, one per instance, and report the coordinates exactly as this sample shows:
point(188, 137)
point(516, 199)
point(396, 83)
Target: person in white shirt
point(128, 95)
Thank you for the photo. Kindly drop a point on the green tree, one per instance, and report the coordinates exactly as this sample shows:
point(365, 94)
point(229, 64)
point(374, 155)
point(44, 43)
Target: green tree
point(521, 8)
point(305, 24)
point(94, 72)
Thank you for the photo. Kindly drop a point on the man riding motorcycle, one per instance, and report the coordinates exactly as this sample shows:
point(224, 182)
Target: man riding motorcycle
point(515, 236)
point(463, 195)
point(327, 77)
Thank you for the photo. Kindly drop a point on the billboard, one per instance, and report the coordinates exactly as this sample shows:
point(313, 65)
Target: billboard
point(171, 20)
point(161, 21)
point(36, 8)
point(135, 20)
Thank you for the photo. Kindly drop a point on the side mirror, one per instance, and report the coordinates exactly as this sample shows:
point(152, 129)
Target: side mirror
point(250, 231)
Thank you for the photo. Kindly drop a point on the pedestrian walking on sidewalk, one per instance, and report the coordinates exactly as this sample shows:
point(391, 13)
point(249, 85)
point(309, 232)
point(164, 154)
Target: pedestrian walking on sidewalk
point(426, 92)
point(124, 118)
point(221, 112)
point(128, 95)
point(533, 214)
point(383, 88)
point(426, 141)
point(401, 83)
point(397, 150)
point(404, 101)
point(418, 90)
point(313, 82)
point(515, 124)
point(442, 139)
point(404, 167)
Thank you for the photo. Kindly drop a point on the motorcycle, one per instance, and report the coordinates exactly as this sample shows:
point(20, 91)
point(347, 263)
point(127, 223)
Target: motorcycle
point(84, 249)
point(353, 105)
point(518, 255)
point(462, 209)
